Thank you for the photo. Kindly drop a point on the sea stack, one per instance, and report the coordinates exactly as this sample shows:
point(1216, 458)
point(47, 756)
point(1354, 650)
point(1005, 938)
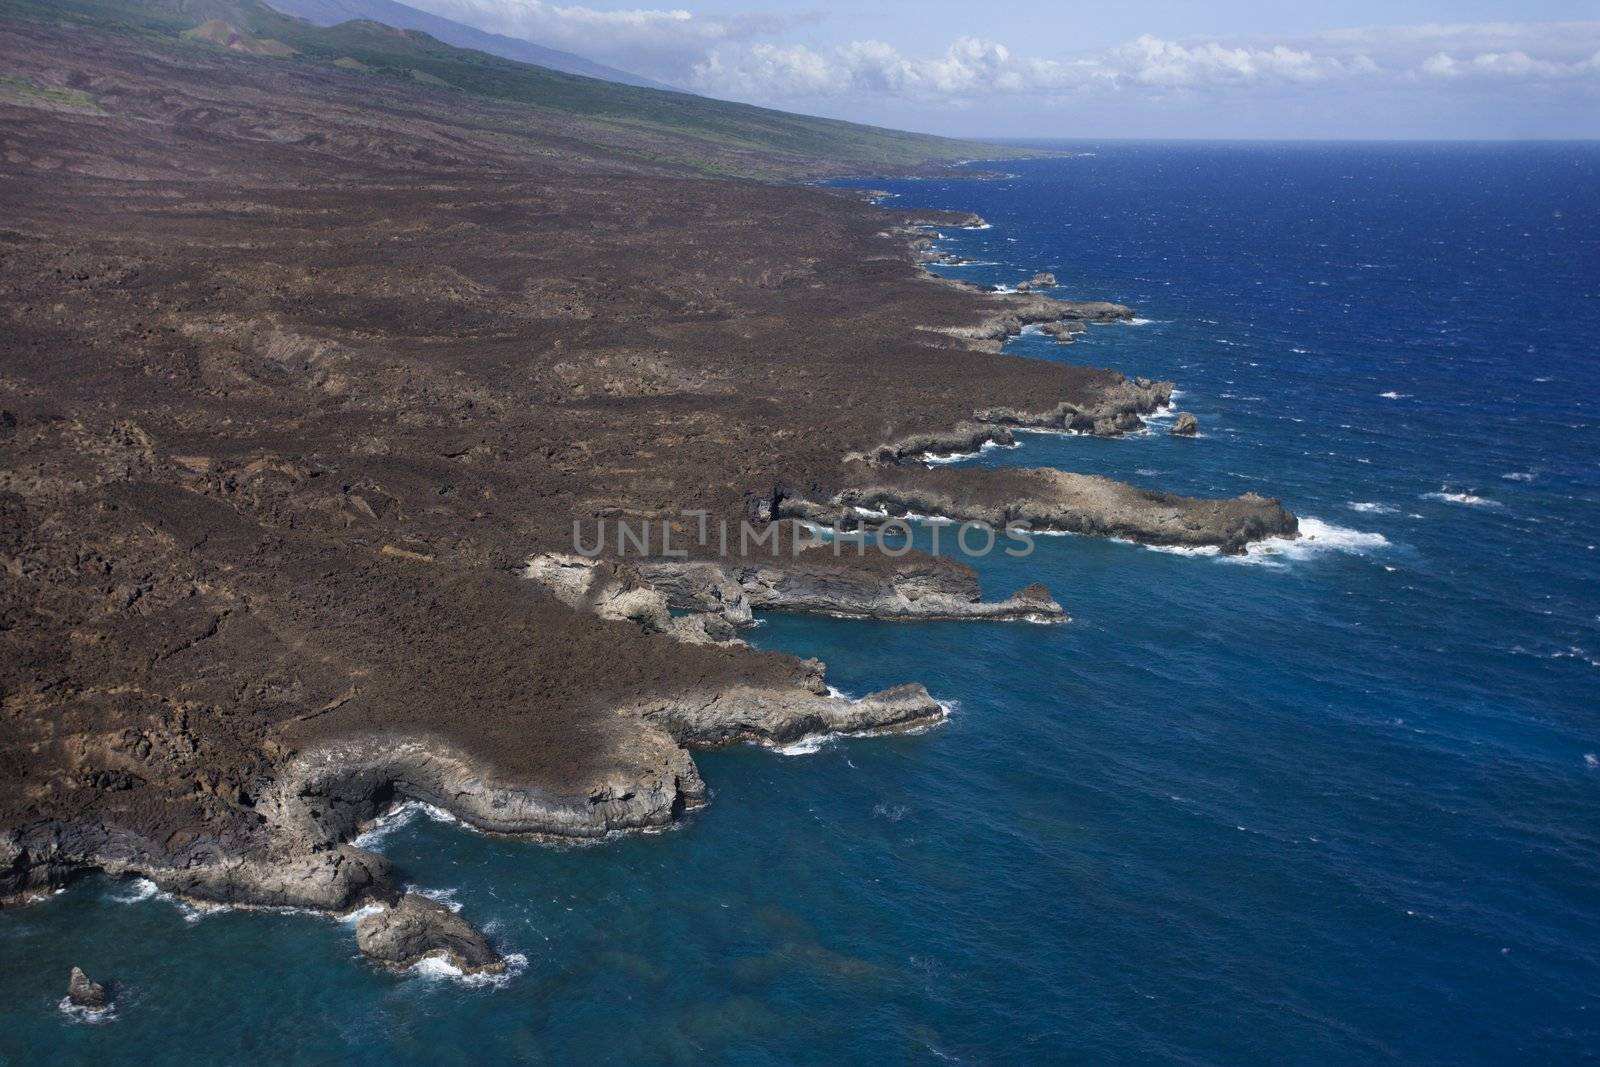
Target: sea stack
point(86, 995)
point(1185, 425)
point(417, 928)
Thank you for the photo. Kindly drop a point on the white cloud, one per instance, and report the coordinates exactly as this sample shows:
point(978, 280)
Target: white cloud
point(1513, 66)
point(974, 67)
point(761, 58)
point(659, 42)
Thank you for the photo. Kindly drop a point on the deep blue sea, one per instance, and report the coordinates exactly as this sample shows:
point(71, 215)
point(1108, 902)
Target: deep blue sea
point(1336, 803)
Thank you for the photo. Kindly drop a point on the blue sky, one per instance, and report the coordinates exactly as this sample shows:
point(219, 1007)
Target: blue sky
point(1404, 68)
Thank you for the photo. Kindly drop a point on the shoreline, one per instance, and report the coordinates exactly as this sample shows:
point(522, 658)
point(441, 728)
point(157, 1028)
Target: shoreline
point(294, 511)
point(370, 779)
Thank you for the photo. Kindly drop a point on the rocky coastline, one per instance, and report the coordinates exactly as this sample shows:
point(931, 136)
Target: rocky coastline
point(283, 547)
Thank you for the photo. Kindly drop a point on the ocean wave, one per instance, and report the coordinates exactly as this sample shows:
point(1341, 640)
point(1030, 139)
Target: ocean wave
point(1186, 550)
point(142, 889)
point(935, 459)
point(808, 745)
point(1571, 652)
point(137, 890)
point(399, 816)
point(1392, 395)
point(1469, 499)
point(1518, 476)
point(1368, 507)
point(1316, 537)
point(84, 1015)
point(447, 897)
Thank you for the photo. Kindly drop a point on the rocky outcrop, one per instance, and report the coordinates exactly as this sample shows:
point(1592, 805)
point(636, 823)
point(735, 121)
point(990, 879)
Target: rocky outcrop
point(1065, 332)
point(1185, 425)
point(771, 717)
point(1011, 312)
point(415, 928)
point(614, 591)
point(930, 217)
point(1043, 280)
point(1059, 501)
point(721, 595)
point(847, 583)
point(86, 995)
point(1114, 409)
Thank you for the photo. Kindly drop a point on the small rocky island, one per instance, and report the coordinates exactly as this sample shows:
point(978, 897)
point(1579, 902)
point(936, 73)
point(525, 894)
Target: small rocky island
point(85, 995)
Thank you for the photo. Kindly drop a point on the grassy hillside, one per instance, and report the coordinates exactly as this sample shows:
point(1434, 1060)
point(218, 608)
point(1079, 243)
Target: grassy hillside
point(372, 49)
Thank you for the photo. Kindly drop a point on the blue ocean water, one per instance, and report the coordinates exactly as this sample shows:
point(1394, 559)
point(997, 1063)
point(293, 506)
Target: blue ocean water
point(1339, 802)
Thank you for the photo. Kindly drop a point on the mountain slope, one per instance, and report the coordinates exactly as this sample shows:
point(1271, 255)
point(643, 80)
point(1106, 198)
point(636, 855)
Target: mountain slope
point(400, 16)
point(670, 130)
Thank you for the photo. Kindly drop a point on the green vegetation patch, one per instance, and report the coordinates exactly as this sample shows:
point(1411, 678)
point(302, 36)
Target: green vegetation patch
point(21, 93)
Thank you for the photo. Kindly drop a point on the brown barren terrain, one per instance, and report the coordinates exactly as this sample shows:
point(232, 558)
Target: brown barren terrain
point(298, 367)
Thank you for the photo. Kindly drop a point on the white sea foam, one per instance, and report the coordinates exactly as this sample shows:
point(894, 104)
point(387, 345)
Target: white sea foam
point(1138, 322)
point(1590, 760)
point(1572, 652)
point(396, 817)
point(1468, 499)
point(1186, 550)
point(1316, 537)
point(142, 889)
point(1371, 508)
point(437, 968)
point(1056, 431)
point(1518, 476)
point(1392, 395)
point(935, 459)
point(137, 890)
point(84, 1015)
point(809, 745)
point(447, 897)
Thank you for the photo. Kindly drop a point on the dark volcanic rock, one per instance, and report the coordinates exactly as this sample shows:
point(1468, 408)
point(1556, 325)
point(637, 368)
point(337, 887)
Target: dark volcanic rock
point(1008, 313)
point(1185, 425)
point(866, 585)
point(416, 928)
point(1063, 501)
point(86, 995)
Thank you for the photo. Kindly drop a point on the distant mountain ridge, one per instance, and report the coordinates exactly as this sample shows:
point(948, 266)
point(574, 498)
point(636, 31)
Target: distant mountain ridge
point(404, 17)
point(656, 130)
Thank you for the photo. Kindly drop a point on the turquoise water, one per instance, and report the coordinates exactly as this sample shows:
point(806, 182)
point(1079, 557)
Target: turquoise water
point(1337, 803)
